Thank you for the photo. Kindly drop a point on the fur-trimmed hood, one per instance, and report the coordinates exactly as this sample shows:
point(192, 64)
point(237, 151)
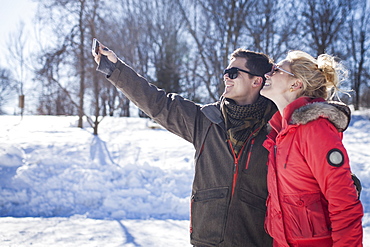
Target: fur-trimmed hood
point(337, 113)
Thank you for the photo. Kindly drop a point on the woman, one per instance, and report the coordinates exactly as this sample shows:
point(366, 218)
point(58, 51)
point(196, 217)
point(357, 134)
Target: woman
point(312, 198)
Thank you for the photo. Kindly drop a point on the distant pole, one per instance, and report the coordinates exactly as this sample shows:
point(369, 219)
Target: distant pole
point(21, 103)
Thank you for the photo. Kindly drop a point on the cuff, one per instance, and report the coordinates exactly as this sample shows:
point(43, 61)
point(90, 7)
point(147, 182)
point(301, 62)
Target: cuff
point(106, 66)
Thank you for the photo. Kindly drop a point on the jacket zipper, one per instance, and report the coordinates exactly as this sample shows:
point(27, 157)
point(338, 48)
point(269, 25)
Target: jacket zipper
point(236, 159)
point(236, 165)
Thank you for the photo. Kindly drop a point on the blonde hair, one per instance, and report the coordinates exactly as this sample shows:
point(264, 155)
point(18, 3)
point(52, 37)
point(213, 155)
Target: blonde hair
point(321, 77)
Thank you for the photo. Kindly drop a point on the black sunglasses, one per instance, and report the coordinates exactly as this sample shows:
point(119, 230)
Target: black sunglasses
point(234, 72)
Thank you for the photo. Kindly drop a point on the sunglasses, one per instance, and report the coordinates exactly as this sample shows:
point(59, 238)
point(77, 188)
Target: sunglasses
point(276, 68)
point(234, 72)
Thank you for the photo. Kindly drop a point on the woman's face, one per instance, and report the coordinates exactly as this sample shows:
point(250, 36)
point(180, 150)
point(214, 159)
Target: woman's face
point(278, 81)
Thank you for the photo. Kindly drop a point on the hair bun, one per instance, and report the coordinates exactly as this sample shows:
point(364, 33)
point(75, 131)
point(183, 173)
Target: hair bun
point(327, 65)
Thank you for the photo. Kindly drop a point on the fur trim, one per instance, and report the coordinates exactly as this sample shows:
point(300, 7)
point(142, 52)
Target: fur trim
point(337, 113)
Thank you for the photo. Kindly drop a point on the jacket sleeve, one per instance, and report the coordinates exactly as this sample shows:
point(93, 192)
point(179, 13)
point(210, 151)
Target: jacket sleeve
point(329, 163)
point(173, 112)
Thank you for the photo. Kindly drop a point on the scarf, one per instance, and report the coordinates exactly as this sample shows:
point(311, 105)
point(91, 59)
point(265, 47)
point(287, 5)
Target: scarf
point(244, 121)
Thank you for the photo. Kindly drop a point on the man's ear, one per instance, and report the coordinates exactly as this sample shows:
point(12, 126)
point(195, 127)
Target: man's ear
point(257, 82)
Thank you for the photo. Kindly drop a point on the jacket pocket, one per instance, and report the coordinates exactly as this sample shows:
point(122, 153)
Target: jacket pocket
point(253, 200)
point(306, 215)
point(273, 221)
point(209, 210)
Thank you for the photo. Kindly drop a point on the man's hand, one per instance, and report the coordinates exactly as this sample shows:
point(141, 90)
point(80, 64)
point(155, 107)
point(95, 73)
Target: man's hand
point(103, 50)
point(105, 58)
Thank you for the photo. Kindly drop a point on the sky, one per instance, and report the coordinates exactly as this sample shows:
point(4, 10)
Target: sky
point(129, 186)
point(12, 12)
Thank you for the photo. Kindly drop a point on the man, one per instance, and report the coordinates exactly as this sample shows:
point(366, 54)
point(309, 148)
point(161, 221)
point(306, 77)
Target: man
point(229, 188)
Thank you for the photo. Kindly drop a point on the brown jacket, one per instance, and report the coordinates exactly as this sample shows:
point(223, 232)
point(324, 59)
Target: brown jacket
point(218, 217)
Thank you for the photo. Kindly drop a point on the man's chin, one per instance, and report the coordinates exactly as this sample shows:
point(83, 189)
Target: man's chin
point(226, 93)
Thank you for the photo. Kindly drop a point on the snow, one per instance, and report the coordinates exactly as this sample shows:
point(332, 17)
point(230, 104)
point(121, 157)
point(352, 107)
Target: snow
point(129, 186)
point(85, 232)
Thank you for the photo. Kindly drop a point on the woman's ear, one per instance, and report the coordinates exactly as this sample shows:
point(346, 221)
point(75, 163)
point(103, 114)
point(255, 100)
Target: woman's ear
point(296, 85)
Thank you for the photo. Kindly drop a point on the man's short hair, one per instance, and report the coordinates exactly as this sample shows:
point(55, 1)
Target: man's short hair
point(257, 63)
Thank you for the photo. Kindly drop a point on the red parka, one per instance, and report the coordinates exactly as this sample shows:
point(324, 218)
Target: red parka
point(312, 198)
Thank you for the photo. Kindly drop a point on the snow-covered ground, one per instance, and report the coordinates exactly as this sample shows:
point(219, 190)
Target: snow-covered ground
point(129, 186)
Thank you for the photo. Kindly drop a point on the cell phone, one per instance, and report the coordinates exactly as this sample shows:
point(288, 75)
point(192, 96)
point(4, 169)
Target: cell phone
point(95, 47)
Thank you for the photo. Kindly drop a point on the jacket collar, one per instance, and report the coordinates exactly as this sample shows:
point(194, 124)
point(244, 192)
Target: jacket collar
point(306, 109)
point(213, 113)
point(336, 112)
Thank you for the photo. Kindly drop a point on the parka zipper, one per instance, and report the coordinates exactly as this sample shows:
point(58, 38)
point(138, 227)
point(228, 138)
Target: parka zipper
point(275, 154)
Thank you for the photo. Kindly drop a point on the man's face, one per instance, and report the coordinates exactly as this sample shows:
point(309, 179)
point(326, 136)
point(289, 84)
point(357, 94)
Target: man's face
point(240, 88)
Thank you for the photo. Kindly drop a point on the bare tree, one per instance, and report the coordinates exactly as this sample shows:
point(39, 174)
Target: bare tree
point(271, 30)
point(322, 22)
point(358, 48)
point(219, 27)
point(6, 88)
point(17, 60)
point(150, 43)
point(74, 53)
point(165, 32)
point(81, 54)
point(90, 22)
point(215, 27)
point(61, 60)
point(128, 39)
point(54, 99)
